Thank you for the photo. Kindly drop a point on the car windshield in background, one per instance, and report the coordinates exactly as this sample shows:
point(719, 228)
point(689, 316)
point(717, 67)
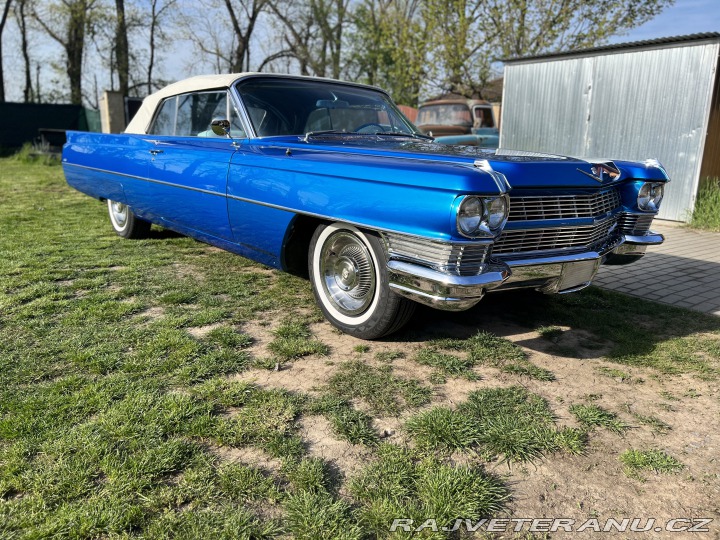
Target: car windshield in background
point(292, 107)
point(451, 114)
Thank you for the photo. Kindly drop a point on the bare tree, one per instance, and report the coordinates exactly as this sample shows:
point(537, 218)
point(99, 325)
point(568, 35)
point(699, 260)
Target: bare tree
point(314, 34)
point(157, 10)
point(250, 11)
point(3, 20)
point(229, 50)
point(66, 22)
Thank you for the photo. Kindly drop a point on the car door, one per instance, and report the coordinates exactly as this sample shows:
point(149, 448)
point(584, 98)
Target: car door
point(189, 164)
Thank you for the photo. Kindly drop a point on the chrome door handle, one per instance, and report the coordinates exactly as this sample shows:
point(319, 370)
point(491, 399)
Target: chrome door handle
point(156, 152)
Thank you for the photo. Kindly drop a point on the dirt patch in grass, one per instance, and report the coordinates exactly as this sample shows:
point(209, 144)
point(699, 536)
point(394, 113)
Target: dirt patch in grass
point(188, 271)
point(200, 332)
point(317, 433)
point(247, 455)
point(261, 332)
point(151, 314)
point(304, 375)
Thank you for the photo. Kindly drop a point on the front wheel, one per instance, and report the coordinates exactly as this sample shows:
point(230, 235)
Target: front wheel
point(125, 222)
point(350, 283)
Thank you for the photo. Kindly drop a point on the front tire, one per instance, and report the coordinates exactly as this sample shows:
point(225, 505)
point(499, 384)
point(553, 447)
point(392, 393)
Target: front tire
point(125, 222)
point(350, 283)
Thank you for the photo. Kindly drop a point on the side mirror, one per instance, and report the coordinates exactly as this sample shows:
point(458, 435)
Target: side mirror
point(220, 127)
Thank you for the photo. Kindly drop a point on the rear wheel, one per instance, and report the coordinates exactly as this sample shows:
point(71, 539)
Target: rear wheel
point(125, 222)
point(350, 282)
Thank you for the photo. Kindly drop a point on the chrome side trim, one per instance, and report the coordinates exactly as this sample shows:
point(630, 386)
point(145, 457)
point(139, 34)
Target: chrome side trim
point(326, 217)
point(151, 180)
point(68, 164)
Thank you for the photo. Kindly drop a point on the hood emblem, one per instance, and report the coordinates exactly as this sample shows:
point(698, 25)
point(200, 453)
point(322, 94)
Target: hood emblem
point(603, 172)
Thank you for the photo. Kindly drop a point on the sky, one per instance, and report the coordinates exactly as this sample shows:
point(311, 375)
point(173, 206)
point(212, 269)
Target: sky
point(685, 17)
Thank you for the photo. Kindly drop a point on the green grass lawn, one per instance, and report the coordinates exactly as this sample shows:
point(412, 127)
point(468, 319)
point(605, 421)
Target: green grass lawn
point(112, 412)
point(706, 215)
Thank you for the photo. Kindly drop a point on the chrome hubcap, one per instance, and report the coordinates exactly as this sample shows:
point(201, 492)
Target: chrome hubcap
point(348, 273)
point(119, 212)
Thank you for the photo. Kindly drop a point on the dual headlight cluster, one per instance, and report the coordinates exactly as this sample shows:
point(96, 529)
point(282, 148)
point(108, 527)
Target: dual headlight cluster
point(650, 196)
point(479, 217)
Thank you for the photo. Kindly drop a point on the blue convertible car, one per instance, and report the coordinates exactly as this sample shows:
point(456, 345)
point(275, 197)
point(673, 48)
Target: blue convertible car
point(328, 179)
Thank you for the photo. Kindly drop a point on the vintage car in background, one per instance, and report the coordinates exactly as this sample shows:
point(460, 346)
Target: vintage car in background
point(459, 121)
point(328, 179)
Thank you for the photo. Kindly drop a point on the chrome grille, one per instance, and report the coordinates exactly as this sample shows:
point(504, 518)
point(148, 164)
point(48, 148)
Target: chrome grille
point(635, 224)
point(464, 259)
point(585, 236)
point(563, 206)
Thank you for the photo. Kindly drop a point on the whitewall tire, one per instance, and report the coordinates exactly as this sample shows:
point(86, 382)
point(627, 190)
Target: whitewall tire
point(350, 282)
point(125, 222)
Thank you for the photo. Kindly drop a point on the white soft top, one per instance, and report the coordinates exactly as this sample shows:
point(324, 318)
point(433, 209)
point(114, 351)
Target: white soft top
point(141, 121)
point(144, 116)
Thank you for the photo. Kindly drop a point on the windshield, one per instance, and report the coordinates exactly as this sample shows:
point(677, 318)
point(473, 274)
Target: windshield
point(447, 114)
point(298, 107)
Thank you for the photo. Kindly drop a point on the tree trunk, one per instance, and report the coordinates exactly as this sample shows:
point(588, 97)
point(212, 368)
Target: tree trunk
point(151, 62)
point(74, 50)
point(72, 39)
point(28, 95)
point(2, 75)
point(122, 53)
point(5, 12)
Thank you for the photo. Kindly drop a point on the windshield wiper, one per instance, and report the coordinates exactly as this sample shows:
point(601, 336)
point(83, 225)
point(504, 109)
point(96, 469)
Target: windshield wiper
point(402, 134)
point(323, 132)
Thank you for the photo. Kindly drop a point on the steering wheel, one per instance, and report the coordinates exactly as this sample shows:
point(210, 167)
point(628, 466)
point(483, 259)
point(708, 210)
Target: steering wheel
point(365, 128)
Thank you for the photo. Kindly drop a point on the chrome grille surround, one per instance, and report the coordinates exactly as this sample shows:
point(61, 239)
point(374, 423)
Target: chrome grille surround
point(635, 224)
point(564, 206)
point(556, 238)
point(458, 258)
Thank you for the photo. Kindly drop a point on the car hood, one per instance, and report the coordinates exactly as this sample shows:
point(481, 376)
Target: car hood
point(523, 170)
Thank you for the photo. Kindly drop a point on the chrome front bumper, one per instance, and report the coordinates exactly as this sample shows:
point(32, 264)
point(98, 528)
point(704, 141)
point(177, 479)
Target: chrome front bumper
point(440, 290)
point(633, 248)
point(553, 274)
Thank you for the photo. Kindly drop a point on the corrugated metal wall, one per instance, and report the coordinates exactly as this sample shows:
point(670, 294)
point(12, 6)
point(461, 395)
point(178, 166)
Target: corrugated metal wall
point(632, 105)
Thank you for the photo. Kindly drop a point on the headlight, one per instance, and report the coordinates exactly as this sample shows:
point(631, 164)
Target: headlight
point(482, 216)
point(470, 215)
point(650, 196)
point(497, 212)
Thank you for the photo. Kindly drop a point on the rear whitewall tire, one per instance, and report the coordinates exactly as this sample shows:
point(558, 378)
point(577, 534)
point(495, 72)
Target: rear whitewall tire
point(125, 223)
